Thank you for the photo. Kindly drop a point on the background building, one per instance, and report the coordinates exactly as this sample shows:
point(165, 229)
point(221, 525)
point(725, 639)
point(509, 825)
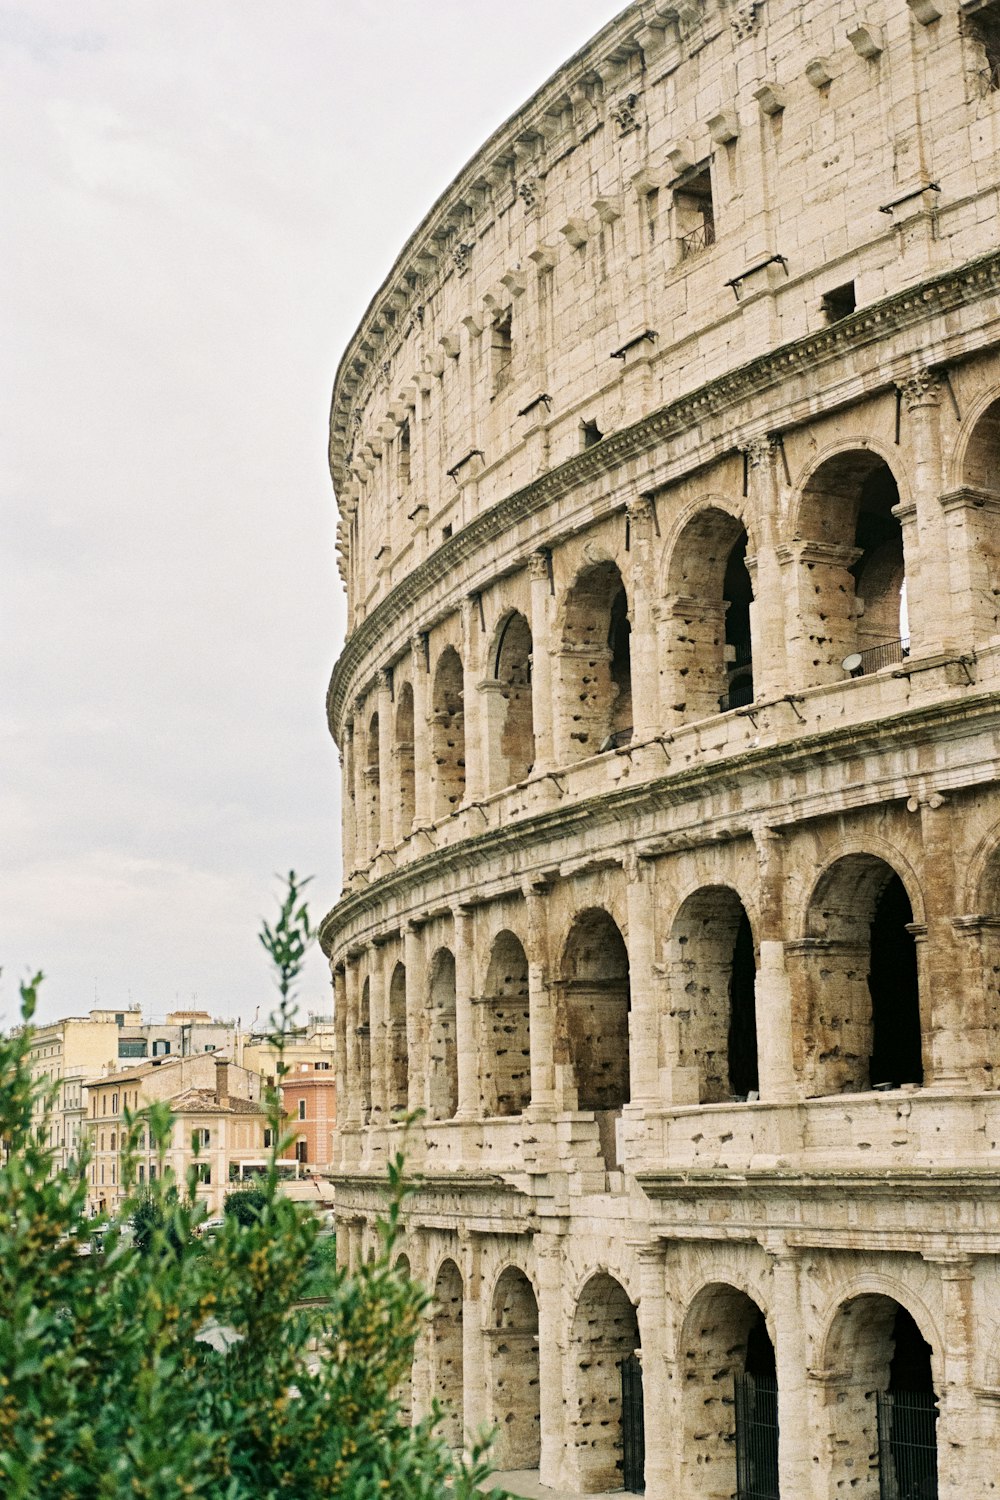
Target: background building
point(666, 459)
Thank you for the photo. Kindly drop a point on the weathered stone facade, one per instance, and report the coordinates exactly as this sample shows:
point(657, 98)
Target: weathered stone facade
point(667, 459)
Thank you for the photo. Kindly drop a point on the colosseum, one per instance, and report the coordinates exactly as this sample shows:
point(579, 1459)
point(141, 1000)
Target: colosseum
point(668, 468)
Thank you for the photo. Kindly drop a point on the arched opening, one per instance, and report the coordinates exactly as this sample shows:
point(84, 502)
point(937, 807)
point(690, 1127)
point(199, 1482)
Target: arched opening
point(974, 526)
point(505, 1036)
point(881, 1401)
point(372, 787)
point(404, 1388)
point(593, 1031)
point(448, 733)
point(604, 1336)
point(709, 656)
point(364, 1035)
point(861, 980)
point(398, 1055)
point(446, 1353)
point(405, 775)
point(514, 752)
point(713, 977)
point(729, 1399)
point(442, 1078)
point(852, 578)
point(595, 660)
point(514, 1372)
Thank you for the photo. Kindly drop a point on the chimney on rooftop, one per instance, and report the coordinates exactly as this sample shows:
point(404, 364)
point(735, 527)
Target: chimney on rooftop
point(222, 1080)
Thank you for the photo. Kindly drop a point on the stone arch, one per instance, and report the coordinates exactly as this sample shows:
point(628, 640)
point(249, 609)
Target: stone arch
point(504, 1028)
point(593, 992)
point(727, 1368)
point(448, 732)
point(859, 977)
point(514, 1372)
point(373, 792)
point(364, 1035)
point(876, 1355)
point(447, 1352)
point(713, 971)
point(398, 1052)
point(510, 725)
point(973, 516)
point(978, 954)
point(603, 1333)
point(595, 672)
point(977, 452)
point(708, 615)
point(442, 1079)
point(403, 751)
point(851, 566)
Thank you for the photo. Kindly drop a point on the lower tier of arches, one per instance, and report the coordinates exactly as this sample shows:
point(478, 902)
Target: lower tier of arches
point(609, 1360)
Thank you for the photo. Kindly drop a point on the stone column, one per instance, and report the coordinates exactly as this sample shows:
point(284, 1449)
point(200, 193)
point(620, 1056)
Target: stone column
point(962, 1468)
point(551, 1358)
point(422, 786)
point(925, 546)
point(944, 1006)
point(972, 518)
point(472, 701)
point(340, 1022)
point(643, 1021)
point(653, 1330)
point(491, 707)
point(384, 1096)
point(539, 568)
point(347, 805)
point(353, 1096)
point(791, 1360)
point(422, 1372)
point(465, 1035)
point(776, 1021)
point(540, 1016)
point(474, 1391)
point(416, 1010)
point(767, 612)
point(362, 845)
point(388, 792)
point(646, 718)
point(377, 1033)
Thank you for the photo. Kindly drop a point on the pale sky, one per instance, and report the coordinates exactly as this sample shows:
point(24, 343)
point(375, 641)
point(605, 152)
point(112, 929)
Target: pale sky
point(199, 199)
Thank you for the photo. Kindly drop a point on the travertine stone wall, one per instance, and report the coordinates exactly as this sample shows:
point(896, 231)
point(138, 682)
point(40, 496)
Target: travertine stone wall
point(666, 460)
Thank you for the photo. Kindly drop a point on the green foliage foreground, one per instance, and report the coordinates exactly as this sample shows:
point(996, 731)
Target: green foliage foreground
point(108, 1388)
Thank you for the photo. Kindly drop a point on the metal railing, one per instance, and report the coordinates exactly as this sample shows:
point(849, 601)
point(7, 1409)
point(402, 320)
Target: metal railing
point(756, 1413)
point(888, 654)
point(907, 1445)
point(633, 1427)
point(697, 240)
point(739, 696)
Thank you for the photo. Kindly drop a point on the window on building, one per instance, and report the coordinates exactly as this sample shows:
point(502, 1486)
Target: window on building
point(839, 302)
point(152, 1171)
point(268, 1139)
point(161, 1047)
point(119, 1018)
point(981, 23)
point(591, 434)
point(204, 1172)
point(202, 1138)
point(302, 1109)
point(114, 1104)
point(132, 1046)
point(501, 350)
point(142, 1172)
point(209, 1046)
point(694, 211)
point(102, 1174)
point(102, 1140)
point(301, 1151)
point(322, 1067)
point(403, 467)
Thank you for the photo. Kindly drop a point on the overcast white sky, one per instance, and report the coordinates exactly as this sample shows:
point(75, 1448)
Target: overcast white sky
point(199, 198)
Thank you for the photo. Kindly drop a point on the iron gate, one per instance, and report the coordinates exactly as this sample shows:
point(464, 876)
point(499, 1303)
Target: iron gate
point(633, 1427)
point(756, 1438)
point(907, 1445)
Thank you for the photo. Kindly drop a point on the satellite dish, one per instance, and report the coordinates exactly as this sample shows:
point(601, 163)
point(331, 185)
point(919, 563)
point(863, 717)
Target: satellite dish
point(852, 663)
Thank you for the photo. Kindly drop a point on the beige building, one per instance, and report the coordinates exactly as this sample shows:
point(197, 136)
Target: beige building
point(309, 1095)
point(667, 465)
point(65, 1052)
point(219, 1127)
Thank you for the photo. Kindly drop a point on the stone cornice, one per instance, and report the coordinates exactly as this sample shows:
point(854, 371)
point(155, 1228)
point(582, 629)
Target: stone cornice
point(973, 281)
point(673, 788)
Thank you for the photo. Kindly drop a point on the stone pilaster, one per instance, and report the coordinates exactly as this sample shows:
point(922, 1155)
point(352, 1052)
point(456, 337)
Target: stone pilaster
point(944, 1006)
point(653, 1332)
point(474, 1349)
point(423, 790)
point(378, 1032)
point(642, 590)
point(790, 1354)
point(353, 1086)
point(551, 1358)
point(414, 961)
point(924, 532)
point(465, 1034)
point(473, 704)
point(340, 1023)
point(767, 611)
point(961, 1468)
point(388, 793)
point(347, 810)
point(644, 1048)
point(362, 844)
point(540, 1014)
point(773, 995)
point(539, 569)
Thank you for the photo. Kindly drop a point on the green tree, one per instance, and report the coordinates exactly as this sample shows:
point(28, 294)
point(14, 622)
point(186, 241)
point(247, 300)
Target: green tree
point(176, 1364)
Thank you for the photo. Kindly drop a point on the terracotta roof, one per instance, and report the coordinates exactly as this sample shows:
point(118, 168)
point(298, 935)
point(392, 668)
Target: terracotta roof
point(204, 1101)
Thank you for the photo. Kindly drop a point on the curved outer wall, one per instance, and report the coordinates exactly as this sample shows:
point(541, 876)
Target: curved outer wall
point(666, 460)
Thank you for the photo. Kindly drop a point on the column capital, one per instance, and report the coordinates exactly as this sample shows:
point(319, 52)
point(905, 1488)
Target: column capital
point(922, 388)
point(383, 679)
point(540, 564)
point(760, 450)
